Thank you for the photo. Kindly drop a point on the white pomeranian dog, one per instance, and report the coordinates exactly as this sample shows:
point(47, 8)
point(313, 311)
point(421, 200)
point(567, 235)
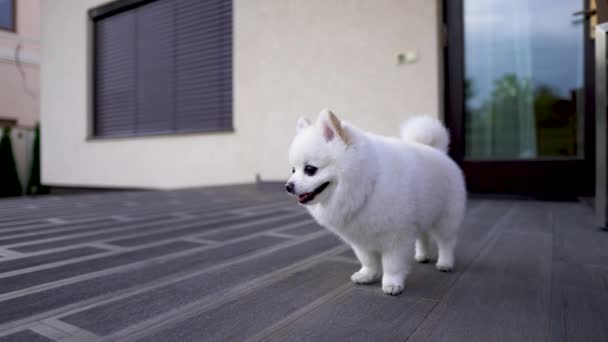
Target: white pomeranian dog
point(386, 197)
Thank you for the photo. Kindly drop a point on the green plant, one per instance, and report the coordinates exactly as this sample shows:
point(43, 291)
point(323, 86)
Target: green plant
point(33, 185)
point(9, 179)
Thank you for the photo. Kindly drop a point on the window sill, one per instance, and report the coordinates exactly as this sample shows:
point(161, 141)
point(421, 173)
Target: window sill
point(184, 133)
point(8, 31)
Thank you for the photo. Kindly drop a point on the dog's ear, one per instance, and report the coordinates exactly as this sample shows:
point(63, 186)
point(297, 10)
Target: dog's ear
point(332, 127)
point(301, 124)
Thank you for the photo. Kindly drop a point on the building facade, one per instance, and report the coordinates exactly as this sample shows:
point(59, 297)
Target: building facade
point(179, 93)
point(289, 59)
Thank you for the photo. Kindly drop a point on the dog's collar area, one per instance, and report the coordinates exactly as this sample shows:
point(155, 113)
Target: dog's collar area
point(309, 196)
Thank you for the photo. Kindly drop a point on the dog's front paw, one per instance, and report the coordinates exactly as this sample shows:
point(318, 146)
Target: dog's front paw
point(422, 259)
point(444, 267)
point(392, 284)
point(392, 289)
point(364, 277)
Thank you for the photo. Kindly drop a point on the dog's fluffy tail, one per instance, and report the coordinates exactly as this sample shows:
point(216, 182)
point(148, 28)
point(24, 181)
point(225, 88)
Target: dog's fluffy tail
point(426, 130)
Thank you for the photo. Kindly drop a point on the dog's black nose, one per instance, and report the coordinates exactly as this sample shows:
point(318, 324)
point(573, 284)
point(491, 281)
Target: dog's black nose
point(290, 187)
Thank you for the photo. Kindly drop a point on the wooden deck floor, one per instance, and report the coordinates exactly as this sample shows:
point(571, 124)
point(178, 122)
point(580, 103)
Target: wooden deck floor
point(246, 263)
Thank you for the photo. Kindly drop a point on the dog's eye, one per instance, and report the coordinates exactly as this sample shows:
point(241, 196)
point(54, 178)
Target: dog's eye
point(293, 170)
point(310, 170)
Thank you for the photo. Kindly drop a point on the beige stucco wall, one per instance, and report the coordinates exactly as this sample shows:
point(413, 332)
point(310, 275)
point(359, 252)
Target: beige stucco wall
point(291, 58)
point(20, 88)
point(20, 83)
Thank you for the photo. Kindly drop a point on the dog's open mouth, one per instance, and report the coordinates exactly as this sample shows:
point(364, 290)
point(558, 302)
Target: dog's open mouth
point(309, 196)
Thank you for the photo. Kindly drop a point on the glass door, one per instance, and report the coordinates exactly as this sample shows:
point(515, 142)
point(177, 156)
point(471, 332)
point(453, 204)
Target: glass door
point(517, 95)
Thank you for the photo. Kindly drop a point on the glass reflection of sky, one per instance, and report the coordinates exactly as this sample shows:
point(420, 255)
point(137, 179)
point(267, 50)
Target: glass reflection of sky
point(534, 39)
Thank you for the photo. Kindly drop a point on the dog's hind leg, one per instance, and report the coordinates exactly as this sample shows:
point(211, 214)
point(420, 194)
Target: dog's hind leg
point(423, 247)
point(445, 234)
point(445, 230)
point(371, 269)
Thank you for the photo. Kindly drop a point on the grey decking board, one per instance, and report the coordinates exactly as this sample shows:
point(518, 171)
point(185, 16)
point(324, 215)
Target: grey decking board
point(82, 225)
point(24, 236)
point(579, 314)
point(500, 274)
point(129, 228)
point(24, 223)
point(579, 302)
point(479, 220)
point(472, 303)
point(303, 230)
point(249, 314)
point(197, 228)
point(533, 217)
point(424, 281)
point(118, 315)
point(503, 296)
point(349, 254)
point(580, 276)
point(41, 259)
point(254, 228)
point(39, 302)
point(146, 207)
point(359, 315)
point(24, 280)
point(577, 239)
point(25, 336)
point(46, 226)
point(119, 229)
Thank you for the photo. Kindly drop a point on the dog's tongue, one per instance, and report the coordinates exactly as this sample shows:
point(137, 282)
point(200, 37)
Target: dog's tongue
point(303, 196)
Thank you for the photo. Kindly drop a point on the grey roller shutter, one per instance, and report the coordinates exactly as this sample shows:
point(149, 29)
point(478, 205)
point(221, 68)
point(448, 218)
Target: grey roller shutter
point(162, 66)
point(115, 79)
point(155, 67)
point(204, 65)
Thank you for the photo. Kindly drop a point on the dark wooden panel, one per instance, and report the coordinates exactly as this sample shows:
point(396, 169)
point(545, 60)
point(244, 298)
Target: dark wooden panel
point(539, 178)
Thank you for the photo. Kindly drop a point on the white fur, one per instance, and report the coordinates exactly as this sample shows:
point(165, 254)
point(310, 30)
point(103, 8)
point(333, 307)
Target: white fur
point(426, 130)
point(388, 198)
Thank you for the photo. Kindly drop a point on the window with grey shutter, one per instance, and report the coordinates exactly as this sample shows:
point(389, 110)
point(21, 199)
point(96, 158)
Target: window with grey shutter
point(162, 66)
